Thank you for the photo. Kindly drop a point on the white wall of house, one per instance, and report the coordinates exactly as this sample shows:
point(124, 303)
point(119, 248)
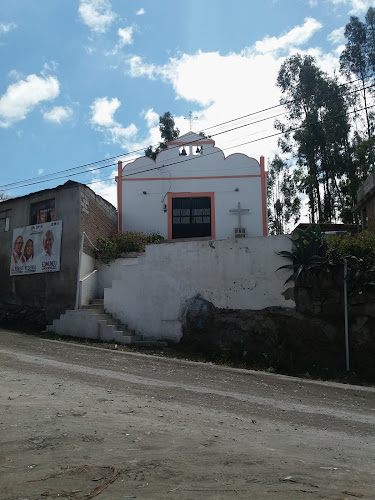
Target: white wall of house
point(232, 273)
point(147, 186)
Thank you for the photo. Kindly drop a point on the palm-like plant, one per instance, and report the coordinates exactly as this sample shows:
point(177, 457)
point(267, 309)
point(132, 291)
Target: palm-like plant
point(309, 253)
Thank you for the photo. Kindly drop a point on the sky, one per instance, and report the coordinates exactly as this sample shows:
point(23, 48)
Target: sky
point(83, 82)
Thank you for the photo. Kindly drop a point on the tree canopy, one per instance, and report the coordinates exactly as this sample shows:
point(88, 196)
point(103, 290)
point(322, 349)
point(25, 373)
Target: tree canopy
point(327, 137)
point(168, 132)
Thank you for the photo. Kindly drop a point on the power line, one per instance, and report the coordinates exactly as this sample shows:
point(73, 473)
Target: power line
point(244, 143)
point(276, 106)
point(191, 159)
point(50, 177)
point(216, 152)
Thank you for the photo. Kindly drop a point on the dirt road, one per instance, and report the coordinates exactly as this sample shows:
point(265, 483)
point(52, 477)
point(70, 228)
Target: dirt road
point(77, 422)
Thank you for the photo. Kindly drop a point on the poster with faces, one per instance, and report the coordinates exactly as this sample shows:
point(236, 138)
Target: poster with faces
point(36, 249)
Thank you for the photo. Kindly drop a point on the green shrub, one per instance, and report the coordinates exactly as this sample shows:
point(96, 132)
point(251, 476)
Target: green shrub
point(313, 253)
point(359, 252)
point(361, 246)
point(129, 241)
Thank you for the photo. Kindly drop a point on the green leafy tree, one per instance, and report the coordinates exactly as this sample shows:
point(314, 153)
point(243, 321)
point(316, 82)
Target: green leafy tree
point(316, 131)
point(370, 37)
point(358, 57)
point(168, 132)
point(284, 204)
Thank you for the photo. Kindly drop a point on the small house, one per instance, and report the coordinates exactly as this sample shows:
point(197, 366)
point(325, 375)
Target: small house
point(47, 243)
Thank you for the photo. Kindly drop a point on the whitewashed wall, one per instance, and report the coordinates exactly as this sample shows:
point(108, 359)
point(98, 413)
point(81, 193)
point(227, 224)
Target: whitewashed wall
point(235, 274)
point(87, 265)
point(146, 184)
point(88, 288)
point(116, 270)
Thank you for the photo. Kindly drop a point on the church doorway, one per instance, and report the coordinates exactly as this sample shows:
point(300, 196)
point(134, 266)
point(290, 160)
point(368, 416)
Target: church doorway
point(191, 216)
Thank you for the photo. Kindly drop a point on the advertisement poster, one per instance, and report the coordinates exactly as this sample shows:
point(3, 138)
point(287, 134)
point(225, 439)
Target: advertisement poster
point(36, 249)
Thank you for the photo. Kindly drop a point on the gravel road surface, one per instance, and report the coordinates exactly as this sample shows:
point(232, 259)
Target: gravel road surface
point(83, 422)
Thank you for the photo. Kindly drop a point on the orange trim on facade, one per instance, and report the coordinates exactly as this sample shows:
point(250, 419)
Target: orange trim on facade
point(263, 188)
point(188, 178)
point(191, 195)
point(119, 195)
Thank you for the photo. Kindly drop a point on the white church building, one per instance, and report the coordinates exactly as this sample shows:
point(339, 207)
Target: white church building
point(192, 190)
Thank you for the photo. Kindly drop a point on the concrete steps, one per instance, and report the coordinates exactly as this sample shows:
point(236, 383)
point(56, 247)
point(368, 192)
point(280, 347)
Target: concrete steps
point(92, 322)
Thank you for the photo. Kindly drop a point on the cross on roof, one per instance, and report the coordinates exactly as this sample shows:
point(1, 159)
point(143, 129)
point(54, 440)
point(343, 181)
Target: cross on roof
point(191, 118)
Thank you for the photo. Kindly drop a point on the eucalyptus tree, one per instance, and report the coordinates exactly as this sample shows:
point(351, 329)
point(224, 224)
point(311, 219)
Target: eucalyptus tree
point(284, 204)
point(168, 132)
point(358, 57)
point(316, 132)
point(370, 37)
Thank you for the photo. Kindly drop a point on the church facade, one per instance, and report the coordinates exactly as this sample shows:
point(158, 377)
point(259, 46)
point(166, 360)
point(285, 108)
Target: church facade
point(192, 190)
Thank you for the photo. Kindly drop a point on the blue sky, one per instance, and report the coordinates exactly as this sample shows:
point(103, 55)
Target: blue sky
point(83, 81)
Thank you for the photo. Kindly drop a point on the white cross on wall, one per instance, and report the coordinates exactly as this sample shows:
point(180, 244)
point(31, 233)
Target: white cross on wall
point(239, 211)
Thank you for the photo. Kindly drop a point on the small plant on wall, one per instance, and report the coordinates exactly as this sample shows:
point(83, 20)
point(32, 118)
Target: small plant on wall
point(111, 248)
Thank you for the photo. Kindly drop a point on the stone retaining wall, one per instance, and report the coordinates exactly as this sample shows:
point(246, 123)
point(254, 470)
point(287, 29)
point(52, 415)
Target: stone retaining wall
point(310, 337)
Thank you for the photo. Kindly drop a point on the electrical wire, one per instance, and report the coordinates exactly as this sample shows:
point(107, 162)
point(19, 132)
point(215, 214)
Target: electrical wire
point(50, 177)
point(215, 152)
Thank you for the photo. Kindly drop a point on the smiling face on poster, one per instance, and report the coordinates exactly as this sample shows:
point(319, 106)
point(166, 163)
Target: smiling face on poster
point(36, 249)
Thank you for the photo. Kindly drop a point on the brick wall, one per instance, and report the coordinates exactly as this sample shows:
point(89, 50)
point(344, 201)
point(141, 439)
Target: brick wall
point(98, 218)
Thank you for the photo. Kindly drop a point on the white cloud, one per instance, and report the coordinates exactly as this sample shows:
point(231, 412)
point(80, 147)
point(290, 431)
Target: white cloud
point(89, 50)
point(138, 68)
point(140, 12)
point(58, 114)
point(103, 110)
point(120, 134)
point(218, 83)
point(49, 67)
point(151, 118)
point(313, 3)
point(125, 38)
point(106, 189)
point(23, 96)
point(97, 14)
point(361, 6)
point(357, 6)
point(14, 74)
point(5, 28)
point(337, 36)
point(125, 35)
point(339, 50)
point(222, 87)
point(40, 171)
point(328, 62)
point(295, 37)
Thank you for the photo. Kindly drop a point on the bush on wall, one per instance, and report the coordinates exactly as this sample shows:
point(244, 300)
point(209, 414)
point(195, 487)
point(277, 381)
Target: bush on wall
point(359, 252)
point(313, 252)
point(129, 241)
point(361, 246)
